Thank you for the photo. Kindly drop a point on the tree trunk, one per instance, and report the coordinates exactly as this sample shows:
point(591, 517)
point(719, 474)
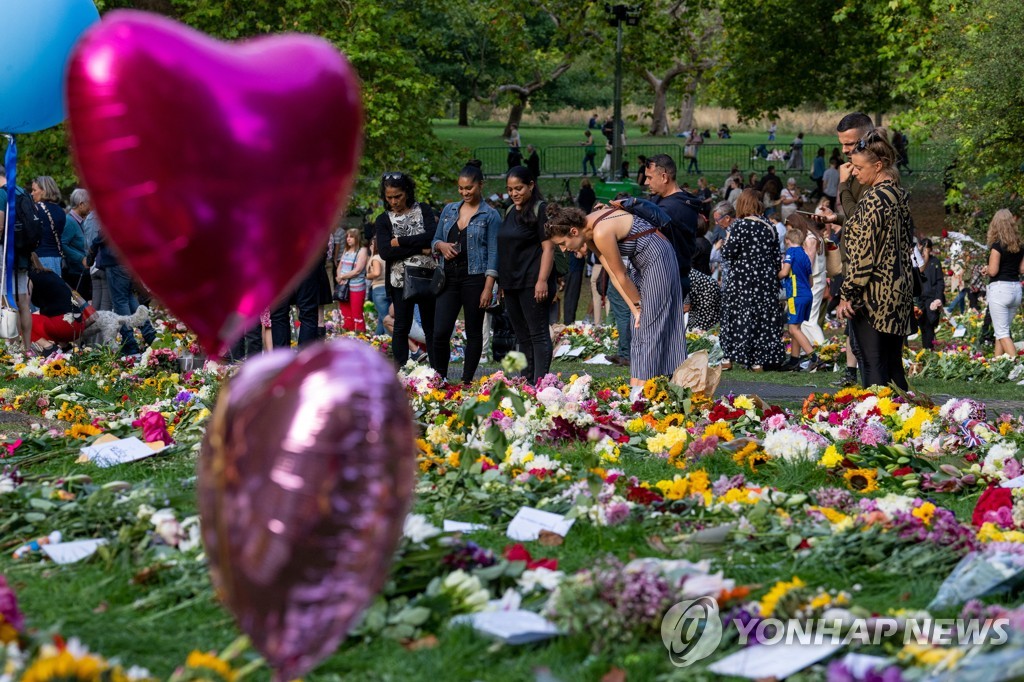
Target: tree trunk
point(878, 119)
point(688, 104)
point(659, 117)
point(463, 112)
point(515, 114)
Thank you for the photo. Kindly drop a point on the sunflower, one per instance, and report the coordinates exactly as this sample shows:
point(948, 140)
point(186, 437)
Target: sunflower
point(862, 480)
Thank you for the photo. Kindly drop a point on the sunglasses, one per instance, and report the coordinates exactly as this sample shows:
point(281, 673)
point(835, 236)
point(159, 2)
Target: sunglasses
point(392, 176)
point(864, 142)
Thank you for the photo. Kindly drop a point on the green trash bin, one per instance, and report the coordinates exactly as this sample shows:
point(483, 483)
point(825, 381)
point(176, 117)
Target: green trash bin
point(606, 191)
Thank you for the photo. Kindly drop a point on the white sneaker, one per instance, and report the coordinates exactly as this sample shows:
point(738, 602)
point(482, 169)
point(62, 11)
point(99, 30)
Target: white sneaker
point(913, 337)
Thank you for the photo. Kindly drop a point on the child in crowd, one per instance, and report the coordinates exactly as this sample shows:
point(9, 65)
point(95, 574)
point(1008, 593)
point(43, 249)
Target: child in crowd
point(796, 277)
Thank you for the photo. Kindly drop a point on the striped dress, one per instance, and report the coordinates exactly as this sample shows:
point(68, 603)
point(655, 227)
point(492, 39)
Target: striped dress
point(659, 344)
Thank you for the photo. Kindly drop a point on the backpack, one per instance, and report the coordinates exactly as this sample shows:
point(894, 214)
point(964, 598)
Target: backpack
point(561, 260)
point(28, 227)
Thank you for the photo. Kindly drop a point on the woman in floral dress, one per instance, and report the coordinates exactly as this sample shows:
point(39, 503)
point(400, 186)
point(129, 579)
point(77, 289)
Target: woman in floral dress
point(751, 321)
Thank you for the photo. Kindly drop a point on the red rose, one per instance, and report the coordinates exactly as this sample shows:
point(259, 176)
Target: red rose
point(902, 471)
point(992, 500)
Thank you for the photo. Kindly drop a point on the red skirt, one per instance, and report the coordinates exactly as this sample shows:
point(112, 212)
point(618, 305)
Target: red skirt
point(55, 329)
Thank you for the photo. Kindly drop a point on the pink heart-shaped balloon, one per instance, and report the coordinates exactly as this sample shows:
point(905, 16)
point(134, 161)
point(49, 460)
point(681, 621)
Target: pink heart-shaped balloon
point(217, 170)
point(305, 477)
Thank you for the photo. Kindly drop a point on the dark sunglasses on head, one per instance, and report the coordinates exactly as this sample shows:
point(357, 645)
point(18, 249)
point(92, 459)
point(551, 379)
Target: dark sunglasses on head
point(864, 142)
point(393, 176)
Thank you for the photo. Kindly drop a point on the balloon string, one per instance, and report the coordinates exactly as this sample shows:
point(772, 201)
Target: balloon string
point(218, 467)
point(7, 267)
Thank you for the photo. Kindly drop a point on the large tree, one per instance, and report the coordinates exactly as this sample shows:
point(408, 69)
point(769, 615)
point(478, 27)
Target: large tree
point(678, 41)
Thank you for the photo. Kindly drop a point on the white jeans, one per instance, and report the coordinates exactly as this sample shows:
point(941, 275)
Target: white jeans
point(1003, 302)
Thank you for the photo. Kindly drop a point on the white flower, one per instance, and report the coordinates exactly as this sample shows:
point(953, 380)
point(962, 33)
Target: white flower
point(514, 361)
point(167, 526)
point(789, 444)
point(864, 406)
point(894, 502)
point(543, 578)
point(551, 398)
point(997, 456)
point(418, 529)
point(191, 536)
point(144, 512)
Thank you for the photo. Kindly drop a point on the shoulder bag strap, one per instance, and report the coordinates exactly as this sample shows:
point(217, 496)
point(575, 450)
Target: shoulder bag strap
point(53, 228)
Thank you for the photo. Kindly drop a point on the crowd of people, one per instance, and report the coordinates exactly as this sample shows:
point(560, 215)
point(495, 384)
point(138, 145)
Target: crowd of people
point(751, 260)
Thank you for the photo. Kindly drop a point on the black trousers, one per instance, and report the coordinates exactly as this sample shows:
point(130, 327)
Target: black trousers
point(573, 285)
point(929, 320)
point(404, 315)
point(530, 322)
point(880, 355)
point(461, 293)
point(307, 299)
point(250, 344)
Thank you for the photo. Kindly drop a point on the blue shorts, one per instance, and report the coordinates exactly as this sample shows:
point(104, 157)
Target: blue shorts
point(798, 310)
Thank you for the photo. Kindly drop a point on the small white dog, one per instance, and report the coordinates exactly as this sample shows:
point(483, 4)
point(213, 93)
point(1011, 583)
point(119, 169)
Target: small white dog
point(103, 331)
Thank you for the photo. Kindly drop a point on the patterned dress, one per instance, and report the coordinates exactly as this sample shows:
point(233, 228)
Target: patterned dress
point(659, 344)
point(751, 321)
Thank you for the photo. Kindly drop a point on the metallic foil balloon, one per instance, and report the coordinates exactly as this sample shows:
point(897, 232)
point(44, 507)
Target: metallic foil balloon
point(37, 38)
point(217, 170)
point(305, 478)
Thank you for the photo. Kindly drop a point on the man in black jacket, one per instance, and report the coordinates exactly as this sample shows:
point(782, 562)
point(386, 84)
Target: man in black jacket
point(682, 207)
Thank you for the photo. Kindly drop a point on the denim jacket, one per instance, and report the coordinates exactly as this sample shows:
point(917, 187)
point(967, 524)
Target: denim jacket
point(481, 236)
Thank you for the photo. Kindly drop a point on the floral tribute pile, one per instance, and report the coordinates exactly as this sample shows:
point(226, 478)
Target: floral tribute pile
point(826, 509)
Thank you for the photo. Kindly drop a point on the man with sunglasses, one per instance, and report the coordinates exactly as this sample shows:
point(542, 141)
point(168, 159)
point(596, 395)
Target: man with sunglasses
point(851, 131)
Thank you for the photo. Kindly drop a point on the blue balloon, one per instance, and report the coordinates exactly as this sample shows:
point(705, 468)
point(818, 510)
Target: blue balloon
point(36, 39)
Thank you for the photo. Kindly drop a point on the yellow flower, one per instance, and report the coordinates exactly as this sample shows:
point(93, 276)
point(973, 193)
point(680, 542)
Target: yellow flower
point(831, 458)
point(623, 391)
point(699, 482)
point(676, 489)
point(832, 515)
point(209, 661)
point(720, 429)
point(741, 495)
point(83, 431)
point(778, 591)
point(150, 382)
point(743, 403)
point(925, 512)
point(650, 388)
point(886, 406)
point(861, 480)
point(928, 656)
point(453, 459)
point(636, 425)
point(989, 532)
point(665, 442)
point(750, 456)
point(7, 632)
point(56, 665)
point(1005, 428)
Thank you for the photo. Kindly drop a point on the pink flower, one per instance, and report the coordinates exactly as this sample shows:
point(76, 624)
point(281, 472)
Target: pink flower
point(42, 403)
point(11, 447)
point(154, 427)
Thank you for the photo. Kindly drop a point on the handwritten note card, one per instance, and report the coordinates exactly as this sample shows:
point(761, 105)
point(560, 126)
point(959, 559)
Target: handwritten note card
point(119, 451)
point(529, 522)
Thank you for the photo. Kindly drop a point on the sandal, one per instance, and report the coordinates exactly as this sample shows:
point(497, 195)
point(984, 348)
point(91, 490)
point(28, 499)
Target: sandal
point(726, 365)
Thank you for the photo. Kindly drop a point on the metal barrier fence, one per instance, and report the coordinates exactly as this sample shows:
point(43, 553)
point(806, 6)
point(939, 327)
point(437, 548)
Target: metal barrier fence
point(713, 159)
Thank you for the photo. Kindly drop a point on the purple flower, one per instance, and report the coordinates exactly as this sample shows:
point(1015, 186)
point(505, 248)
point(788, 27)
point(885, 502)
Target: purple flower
point(9, 606)
point(836, 498)
point(616, 513)
point(726, 483)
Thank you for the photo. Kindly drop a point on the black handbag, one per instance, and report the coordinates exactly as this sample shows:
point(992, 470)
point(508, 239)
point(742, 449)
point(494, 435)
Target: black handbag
point(437, 280)
point(419, 283)
point(341, 291)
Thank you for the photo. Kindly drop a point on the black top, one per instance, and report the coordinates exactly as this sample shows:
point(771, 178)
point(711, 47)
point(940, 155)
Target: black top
point(933, 285)
point(533, 163)
point(682, 232)
point(701, 261)
point(586, 199)
point(1009, 264)
point(50, 294)
point(519, 251)
point(53, 235)
point(460, 264)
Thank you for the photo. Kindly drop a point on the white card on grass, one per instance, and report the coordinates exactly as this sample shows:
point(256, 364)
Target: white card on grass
point(773, 660)
point(575, 352)
point(599, 359)
point(561, 350)
point(511, 627)
point(959, 332)
point(462, 526)
point(70, 552)
point(529, 522)
point(119, 451)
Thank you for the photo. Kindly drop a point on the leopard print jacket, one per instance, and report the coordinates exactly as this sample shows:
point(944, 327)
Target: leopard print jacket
point(878, 241)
